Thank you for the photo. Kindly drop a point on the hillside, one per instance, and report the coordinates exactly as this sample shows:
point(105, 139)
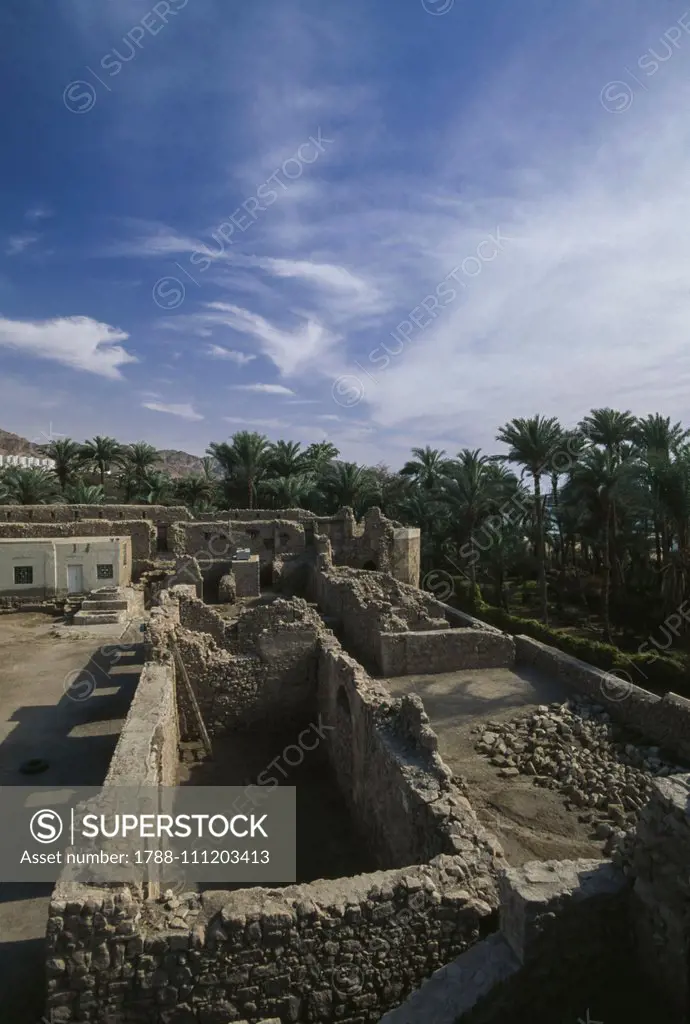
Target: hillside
point(12, 444)
point(179, 463)
point(175, 463)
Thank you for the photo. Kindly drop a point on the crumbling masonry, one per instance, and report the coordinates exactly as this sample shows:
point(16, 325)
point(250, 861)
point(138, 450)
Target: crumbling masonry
point(442, 929)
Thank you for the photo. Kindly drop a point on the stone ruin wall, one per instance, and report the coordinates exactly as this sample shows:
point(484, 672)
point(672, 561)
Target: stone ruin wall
point(248, 514)
point(213, 544)
point(351, 949)
point(346, 949)
point(63, 513)
point(665, 720)
point(658, 863)
point(398, 629)
point(265, 667)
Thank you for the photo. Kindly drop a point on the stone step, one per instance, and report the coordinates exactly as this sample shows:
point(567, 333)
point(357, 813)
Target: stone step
point(96, 618)
point(104, 604)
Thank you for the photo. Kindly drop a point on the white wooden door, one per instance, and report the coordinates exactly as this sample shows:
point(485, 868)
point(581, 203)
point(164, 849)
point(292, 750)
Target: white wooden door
point(75, 579)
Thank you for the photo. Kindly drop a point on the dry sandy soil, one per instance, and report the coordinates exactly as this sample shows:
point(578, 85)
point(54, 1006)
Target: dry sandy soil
point(532, 823)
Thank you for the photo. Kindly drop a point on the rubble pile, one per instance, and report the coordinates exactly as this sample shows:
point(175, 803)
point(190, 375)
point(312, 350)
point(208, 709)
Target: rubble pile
point(575, 749)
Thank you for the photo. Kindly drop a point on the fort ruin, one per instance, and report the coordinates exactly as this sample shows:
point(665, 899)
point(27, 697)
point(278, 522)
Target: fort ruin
point(504, 829)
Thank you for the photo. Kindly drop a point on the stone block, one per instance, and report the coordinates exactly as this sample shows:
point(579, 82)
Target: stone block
point(534, 894)
point(247, 578)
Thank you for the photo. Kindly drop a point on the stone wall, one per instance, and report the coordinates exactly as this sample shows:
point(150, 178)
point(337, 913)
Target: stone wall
point(142, 532)
point(262, 667)
point(659, 862)
point(665, 720)
point(344, 950)
point(59, 513)
point(563, 944)
point(410, 814)
point(375, 543)
point(567, 925)
point(146, 751)
point(94, 935)
point(406, 555)
point(200, 618)
point(219, 539)
point(398, 629)
point(248, 514)
point(368, 604)
point(413, 653)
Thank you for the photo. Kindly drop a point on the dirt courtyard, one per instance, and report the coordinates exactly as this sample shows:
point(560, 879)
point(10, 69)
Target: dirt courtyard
point(63, 699)
point(531, 823)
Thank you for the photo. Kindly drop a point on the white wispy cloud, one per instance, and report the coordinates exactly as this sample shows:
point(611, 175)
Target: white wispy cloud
point(585, 305)
point(19, 243)
point(264, 424)
point(38, 213)
point(184, 410)
point(289, 350)
point(76, 341)
point(267, 389)
point(239, 358)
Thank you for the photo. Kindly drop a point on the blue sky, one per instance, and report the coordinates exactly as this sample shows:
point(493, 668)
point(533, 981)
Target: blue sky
point(382, 223)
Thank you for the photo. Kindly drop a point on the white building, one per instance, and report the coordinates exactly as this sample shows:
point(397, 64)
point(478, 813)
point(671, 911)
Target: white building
point(25, 462)
point(57, 566)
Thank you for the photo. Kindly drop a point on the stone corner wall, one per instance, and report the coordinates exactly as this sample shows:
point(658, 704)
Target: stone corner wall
point(93, 932)
point(666, 720)
point(658, 864)
point(410, 815)
point(424, 652)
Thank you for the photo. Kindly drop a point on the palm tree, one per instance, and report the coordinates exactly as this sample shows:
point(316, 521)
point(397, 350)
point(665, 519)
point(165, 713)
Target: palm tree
point(243, 460)
point(209, 468)
point(533, 443)
point(141, 457)
point(284, 458)
point(195, 490)
point(296, 491)
point(657, 437)
point(81, 493)
point(101, 453)
point(30, 486)
point(67, 457)
point(318, 455)
point(427, 467)
point(609, 428)
point(569, 448)
point(156, 488)
point(470, 490)
point(598, 477)
point(128, 484)
point(347, 484)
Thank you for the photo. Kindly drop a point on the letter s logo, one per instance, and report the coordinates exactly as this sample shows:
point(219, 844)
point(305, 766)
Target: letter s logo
point(46, 826)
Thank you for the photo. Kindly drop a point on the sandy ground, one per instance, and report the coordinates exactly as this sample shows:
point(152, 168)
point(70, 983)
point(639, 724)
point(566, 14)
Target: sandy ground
point(531, 823)
point(40, 675)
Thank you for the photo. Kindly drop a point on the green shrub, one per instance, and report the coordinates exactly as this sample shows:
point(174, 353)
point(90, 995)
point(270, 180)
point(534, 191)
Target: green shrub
point(650, 670)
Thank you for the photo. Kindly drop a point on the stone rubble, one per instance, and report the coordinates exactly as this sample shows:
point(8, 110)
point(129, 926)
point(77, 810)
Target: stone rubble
point(575, 748)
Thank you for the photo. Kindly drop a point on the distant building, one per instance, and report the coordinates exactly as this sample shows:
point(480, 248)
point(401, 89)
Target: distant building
point(54, 567)
point(25, 462)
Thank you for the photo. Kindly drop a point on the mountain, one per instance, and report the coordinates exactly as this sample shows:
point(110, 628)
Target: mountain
point(175, 463)
point(179, 463)
point(12, 444)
